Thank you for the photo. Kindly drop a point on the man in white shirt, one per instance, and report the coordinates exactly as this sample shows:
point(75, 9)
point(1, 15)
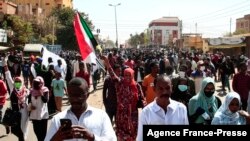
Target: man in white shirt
point(163, 110)
point(60, 68)
point(88, 123)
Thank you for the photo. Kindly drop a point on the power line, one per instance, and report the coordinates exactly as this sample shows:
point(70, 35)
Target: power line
point(223, 16)
point(215, 12)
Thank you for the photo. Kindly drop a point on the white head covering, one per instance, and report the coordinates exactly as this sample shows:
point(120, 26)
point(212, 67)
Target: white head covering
point(224, 111)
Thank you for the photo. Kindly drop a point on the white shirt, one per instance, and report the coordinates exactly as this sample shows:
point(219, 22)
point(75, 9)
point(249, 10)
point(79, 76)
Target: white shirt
point(153, 114)
point(95, 120)
point(61, 70)
point(41, 111)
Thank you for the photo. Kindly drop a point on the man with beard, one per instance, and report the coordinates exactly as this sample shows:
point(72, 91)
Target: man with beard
point(163, 110)
point(88, 123)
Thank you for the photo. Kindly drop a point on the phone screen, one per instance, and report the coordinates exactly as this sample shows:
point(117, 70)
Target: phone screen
point(66, 124)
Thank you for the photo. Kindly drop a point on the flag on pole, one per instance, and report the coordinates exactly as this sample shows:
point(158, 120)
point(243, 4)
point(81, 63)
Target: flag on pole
point(86, 41)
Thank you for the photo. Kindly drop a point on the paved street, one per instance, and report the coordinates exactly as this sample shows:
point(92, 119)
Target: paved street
point(95, 100)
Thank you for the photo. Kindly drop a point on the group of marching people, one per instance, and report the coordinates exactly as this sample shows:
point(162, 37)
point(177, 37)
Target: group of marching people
point(187, 81)
point(174, 88)
point(36, 90)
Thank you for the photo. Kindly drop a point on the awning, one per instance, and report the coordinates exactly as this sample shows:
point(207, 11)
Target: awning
point(33, 48)
point(227, 46)
point(2, 48)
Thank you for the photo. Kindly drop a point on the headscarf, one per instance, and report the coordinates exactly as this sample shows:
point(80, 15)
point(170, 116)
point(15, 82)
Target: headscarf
point(21, 93)
point(132, 84)
point(204, 101)
point(41, 90)
point(201, 100)
point(224, 113)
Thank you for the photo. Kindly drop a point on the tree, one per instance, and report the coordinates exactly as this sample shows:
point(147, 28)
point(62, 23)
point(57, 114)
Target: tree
point(146, 37)
point(136, 39)
point(64, 27)
point(109, 44)
point(23, 31)
point(240, 31)
point(43, 30)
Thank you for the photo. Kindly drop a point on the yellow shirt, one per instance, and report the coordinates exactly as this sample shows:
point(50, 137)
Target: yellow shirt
point(148, 82)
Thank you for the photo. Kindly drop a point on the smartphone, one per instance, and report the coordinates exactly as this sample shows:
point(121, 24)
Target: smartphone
point(66, 124)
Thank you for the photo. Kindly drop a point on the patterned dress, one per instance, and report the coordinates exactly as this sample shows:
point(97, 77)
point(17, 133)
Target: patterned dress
point(127, 113)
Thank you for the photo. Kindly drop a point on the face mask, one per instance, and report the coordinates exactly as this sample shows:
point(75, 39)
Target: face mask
point(182, 88)
point(209, 93)
point(182, 74)
point(202, 68)
point(18, 85)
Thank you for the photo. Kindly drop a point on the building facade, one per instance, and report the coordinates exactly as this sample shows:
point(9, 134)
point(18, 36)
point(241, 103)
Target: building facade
point(46, 5)
point(7, 7)
point(243, 23)
point(165, 31)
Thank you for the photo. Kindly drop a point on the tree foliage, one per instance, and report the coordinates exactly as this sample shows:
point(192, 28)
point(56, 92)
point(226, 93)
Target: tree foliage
point(65, 30)
point(109, 44)
point(240, 31)
point(23, 31)
point(43, 30)
point(137, 39)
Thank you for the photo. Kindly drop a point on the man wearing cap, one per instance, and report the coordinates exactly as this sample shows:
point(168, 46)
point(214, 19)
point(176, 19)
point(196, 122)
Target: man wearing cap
point(198, 75)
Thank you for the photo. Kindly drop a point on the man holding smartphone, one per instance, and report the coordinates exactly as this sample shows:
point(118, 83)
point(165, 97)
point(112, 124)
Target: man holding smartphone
point(88, 123)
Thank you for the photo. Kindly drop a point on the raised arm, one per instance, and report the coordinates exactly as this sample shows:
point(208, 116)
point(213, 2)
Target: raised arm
point(9, 79)
point(109, 68)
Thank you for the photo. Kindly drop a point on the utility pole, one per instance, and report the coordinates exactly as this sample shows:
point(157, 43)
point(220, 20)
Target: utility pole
point(196, 35)
point(230, 34)
point(196, 29)
point(116, 42)
point(53, 30)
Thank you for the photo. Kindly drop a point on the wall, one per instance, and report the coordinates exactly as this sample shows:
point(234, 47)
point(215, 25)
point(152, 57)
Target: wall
point(167, 32)
point(7, 7)
point(47, 5)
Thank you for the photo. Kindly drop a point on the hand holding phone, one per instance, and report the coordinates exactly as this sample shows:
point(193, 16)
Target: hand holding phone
point(64, 132)
point(66, 124)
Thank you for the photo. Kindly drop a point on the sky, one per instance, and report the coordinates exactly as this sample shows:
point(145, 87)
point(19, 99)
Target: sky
point(133, 16)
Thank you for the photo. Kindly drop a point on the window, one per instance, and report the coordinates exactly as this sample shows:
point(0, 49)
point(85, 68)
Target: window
point(242, 25)
point(246, 24)
point(36, 4)
point(238, 25)
point(167, 32)
point(47, 3)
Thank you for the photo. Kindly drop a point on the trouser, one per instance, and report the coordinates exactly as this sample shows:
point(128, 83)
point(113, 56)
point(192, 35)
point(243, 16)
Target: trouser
point(94, 81)
point(111, 113)
point(225, 82)
point(40, 128)
point(16, 130)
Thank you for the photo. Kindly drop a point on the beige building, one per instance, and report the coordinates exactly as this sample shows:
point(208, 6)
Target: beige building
point(243, 23)
point(7, 7)
point(45, 5)
point(164, 31)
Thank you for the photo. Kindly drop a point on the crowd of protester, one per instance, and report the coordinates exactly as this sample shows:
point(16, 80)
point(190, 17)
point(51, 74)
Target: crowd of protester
point(176, 87)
